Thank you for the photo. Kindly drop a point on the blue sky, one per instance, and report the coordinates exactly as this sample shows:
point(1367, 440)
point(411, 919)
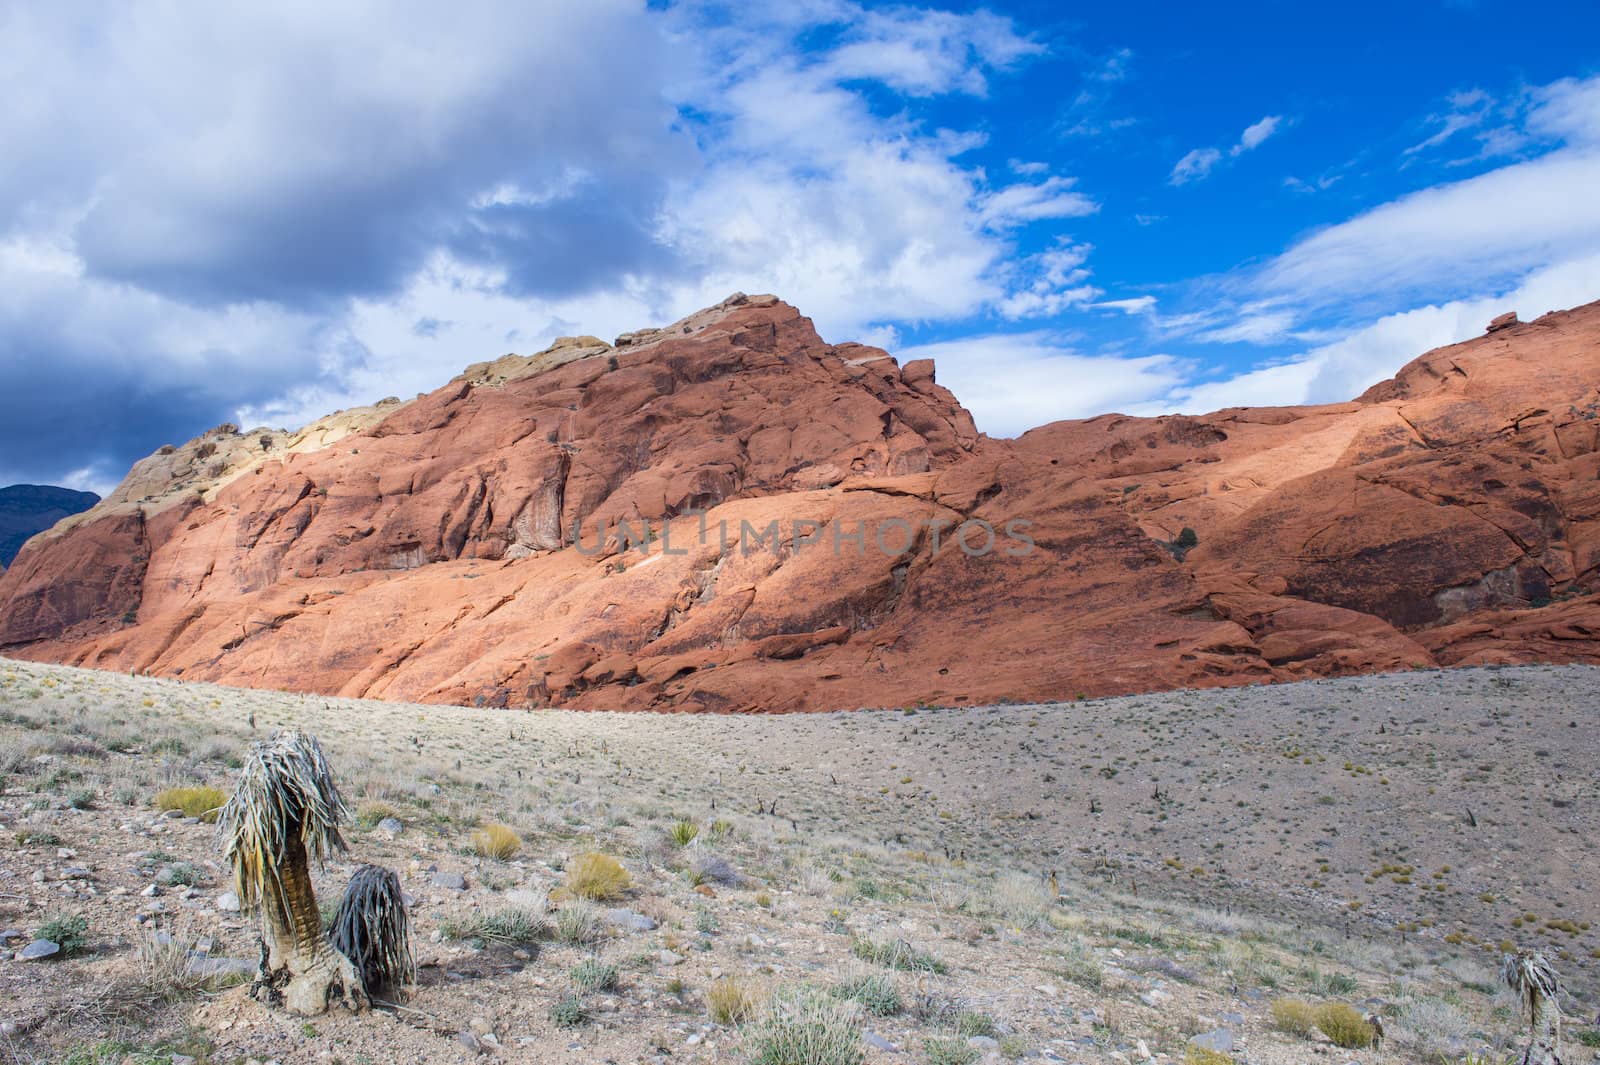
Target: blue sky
point(212, 215)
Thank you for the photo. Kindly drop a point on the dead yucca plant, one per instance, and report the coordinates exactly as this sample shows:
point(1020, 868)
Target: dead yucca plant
point(371, 929)
point(285, 810)
point(1532, 978)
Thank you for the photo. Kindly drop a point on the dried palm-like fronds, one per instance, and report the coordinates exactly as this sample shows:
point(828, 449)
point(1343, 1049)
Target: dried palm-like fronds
point(1534, 980)
point(285, 793)
point(371, 929)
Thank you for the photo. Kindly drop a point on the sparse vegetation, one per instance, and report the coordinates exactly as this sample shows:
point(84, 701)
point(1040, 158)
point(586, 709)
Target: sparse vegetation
point(597, 876)
point(1293, 1015)
point(806, 1026)
point(202, 802)
point(897, 954)
point(70, 933)
point(496, 841)
point(728, 1002)
point(1344, 1024)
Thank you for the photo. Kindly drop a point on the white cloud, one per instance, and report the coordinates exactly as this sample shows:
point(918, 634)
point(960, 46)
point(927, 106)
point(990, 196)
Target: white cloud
point(1194, 166)
point(1197, 165)
point(1255, 133)
point(1135, 305)
point(369, 198)
point(1058, 281)
point(1015, 382)
point(1341, 370)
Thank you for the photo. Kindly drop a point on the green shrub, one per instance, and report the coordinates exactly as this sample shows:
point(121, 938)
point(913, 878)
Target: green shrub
point(578, 922)
point(897, 954)
point(876, 993)
point(70, 933)
point(591, 974)
point(948, 1051)
point(568, 1011)
point(684, 832)
point(805, 1026)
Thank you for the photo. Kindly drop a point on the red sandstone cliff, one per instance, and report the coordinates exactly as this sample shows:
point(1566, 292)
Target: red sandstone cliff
point(425, 550)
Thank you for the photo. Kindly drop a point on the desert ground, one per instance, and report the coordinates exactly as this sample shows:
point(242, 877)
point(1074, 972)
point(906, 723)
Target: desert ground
point(1184, 877)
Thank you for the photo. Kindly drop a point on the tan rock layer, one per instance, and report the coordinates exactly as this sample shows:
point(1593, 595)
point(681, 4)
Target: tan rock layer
point(426, 550)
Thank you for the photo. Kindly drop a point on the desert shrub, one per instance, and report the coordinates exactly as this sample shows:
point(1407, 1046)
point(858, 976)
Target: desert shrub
point(70, 933)
point(370, 812)
point(875, 992)
point(568, 1011)
point(683, 833)
point(513, 924)
point(592, 974)
point(896, 954)
point(597, 876)
point(805, 1026)
point(973, 1023)
point(167, 972)
point(946, 1050)
point(1080, 965)
point(578, 922)
point(81, 799)
point(1294, 1016)
point(38, 837)
point(201, 802)
point(1345, 1026)
point(496, 841)
point(728, 1002)
point(1197, 1055)
point(1021, 899)
point(714, 869)
point(179, 874)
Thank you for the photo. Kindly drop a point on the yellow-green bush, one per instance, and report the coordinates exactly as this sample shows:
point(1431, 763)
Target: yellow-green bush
point(496, 841)
point(728, 1002)
point(597, 876)
point(370, 812)
point(1205, 1056)
point(1345, 1026)
point(201, 802)
point(1293, 1015)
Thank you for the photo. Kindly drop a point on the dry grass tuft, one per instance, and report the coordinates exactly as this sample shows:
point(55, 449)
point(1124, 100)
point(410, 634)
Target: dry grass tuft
point(597, 876)
point(496, 841)
point(1293, 1015)
point(201, 802)
point(728, 1002)
point(1345, 1026)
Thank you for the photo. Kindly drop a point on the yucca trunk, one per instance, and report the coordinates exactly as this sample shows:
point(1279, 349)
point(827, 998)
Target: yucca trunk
point(1545, 1020)
point(299, 962)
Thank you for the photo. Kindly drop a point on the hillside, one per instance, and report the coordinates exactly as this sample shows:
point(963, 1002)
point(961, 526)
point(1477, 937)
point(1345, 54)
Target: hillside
point(1095, 883)
point(26, 509)
point(527, 534)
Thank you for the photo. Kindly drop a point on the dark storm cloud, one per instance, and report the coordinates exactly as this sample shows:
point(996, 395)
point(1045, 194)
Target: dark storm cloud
point(267, 166)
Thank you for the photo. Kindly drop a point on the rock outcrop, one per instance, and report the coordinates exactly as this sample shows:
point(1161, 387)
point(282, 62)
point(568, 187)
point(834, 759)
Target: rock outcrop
point(730, 514)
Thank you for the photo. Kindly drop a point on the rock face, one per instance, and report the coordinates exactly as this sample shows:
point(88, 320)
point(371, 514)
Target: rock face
point(26, 509)
point(730, 514)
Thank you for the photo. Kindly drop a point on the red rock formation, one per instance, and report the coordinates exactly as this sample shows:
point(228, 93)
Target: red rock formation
point(426, 550)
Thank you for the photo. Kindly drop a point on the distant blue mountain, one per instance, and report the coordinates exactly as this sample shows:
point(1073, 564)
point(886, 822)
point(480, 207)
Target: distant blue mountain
point(26, 509)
